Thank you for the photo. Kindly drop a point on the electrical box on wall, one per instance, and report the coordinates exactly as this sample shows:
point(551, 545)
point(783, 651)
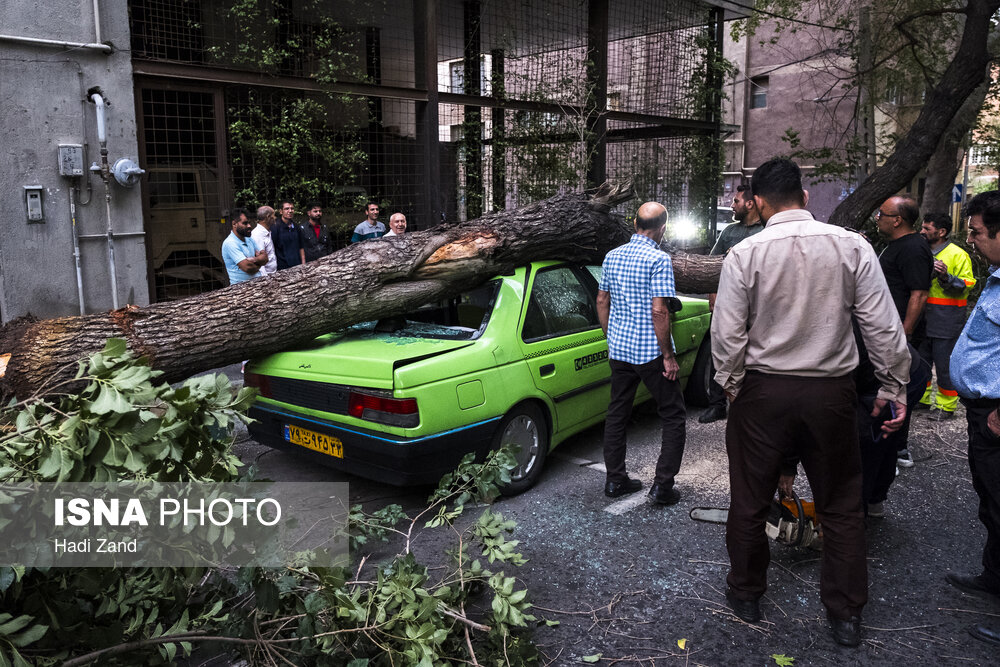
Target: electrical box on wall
point(33, 203)
point(70, 160)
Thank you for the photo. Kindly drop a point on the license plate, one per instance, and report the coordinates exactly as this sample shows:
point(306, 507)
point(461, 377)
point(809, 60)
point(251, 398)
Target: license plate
point(324, 444)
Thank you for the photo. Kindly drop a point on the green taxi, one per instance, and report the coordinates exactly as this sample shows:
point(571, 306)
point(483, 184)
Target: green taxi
point(520, 359)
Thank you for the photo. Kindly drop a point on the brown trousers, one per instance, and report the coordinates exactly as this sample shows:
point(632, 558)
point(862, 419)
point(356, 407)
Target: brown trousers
point(775, 417)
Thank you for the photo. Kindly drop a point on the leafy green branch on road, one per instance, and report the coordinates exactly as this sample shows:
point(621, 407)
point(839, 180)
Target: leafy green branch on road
point(120, 424)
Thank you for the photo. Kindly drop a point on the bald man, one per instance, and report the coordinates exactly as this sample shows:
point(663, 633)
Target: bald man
point(397, 225)
point(261, 236)
point(908, 265)
point(907, 261)
point(633, 306)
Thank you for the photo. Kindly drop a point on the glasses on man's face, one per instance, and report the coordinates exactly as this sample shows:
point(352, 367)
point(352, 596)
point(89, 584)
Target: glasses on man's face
point(879, 215)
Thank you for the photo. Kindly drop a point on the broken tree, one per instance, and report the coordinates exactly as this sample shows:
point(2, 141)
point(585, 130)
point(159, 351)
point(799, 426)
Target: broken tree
point(363, 282)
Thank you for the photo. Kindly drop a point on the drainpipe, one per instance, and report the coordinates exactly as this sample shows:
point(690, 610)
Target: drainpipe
point(76, 247)
point(105, 170)
point(97, 22)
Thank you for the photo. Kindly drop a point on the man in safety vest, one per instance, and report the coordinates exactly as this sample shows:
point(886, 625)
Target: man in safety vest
point(944, 313)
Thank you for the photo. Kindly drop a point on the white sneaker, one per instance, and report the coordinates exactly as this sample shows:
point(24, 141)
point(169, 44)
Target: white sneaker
point(903, 459)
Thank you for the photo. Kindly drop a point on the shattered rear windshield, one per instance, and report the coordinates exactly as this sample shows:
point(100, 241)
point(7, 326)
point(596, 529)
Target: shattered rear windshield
point(460, 318)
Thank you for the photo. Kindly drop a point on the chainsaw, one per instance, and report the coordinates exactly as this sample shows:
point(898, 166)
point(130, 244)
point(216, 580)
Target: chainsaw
point(791, 521)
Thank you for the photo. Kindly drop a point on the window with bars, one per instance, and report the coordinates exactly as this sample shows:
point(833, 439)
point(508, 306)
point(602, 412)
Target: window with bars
point(758, 92)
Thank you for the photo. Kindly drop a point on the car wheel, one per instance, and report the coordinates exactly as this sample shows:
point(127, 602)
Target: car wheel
point(525, 429)
point(699, 383)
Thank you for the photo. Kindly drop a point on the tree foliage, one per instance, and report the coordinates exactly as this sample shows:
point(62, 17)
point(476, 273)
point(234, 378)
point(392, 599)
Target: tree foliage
point(124, 425)
point(288, 143)
point(884, 67)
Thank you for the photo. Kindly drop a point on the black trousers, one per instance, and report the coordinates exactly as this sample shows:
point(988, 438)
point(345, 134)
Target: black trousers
point(878, 456)
point(984, 463)
point(716, 394)
point(775, 418)
point(625, 378)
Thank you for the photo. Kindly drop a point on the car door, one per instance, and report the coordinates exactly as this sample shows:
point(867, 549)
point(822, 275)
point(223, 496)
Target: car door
point(563, 345)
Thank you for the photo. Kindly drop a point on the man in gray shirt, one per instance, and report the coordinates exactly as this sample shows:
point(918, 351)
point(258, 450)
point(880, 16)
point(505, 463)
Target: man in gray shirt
point(784, 349)
point(746, 223)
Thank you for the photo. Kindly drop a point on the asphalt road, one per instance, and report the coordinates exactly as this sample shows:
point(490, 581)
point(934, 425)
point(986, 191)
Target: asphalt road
point(627, 580)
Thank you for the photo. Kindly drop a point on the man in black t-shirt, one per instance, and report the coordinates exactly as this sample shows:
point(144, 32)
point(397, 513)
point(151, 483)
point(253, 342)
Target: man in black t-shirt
point(907, 261)
point(908, 264)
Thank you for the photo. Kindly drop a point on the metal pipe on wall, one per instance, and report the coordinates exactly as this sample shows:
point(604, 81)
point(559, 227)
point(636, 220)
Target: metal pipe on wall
point(63, 44)
point(76, 247)
point(97, 22)
point(105, 171)
point(111, 246)
point(36, 41)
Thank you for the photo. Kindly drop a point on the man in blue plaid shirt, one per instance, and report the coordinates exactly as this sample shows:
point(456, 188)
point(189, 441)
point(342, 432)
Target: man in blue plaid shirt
point(637, 282)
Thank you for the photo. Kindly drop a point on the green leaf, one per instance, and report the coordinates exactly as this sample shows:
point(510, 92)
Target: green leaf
point(10, 627)
point(109, 400)
point(19, 660)
point(29, 636)
point(782, 660)
point(116, 455)
point(171, 651)
point(592, 658)
point(115, 347)
point(314, 603)
point(51, 465)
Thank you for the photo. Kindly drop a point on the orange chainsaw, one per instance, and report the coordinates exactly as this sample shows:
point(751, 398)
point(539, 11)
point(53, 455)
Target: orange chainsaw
point(791, 521)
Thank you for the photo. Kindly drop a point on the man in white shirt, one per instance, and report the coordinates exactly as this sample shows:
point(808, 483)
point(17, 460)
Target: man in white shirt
point(784, 351)
point(397, 225)
point(261, 236)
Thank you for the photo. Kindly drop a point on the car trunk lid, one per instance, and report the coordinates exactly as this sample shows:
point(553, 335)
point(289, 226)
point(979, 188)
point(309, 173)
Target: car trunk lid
point(367, 360)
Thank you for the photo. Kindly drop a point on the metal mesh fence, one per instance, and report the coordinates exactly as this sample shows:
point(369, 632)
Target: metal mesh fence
point(182, 192)
point(528, 98)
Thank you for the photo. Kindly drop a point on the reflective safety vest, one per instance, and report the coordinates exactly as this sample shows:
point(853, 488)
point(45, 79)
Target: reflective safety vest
point(946, 301)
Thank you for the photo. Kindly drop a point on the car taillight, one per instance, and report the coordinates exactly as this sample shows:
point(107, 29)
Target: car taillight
point(384, 410)
point(262, 382)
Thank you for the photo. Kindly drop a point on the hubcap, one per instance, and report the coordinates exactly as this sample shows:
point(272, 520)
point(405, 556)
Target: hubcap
point(522, 434)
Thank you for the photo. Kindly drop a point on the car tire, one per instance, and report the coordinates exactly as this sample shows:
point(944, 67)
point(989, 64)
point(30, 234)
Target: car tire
point(698, 388)
point(524, 425)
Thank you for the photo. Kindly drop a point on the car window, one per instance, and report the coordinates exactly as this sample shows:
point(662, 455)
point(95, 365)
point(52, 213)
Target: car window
point(595, 271)
point(460, 318)
point(559, 304)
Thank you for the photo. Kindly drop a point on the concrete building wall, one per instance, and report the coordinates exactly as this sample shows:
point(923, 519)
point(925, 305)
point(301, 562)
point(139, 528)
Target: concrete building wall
point(805, 94)
point(42, 104)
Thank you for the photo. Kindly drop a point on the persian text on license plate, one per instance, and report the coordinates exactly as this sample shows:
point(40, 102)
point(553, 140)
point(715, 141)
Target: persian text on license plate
point(324, 444)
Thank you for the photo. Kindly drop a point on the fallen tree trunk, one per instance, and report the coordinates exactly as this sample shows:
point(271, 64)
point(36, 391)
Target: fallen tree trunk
point(360, 283)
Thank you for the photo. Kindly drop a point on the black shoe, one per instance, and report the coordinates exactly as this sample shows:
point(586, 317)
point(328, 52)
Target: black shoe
point(663, 496)
point(713, 414)
point(846, 632)
point(748, 610)
point(920, 406)
point(973, 585)
point(983, 633)
point(618, 489)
